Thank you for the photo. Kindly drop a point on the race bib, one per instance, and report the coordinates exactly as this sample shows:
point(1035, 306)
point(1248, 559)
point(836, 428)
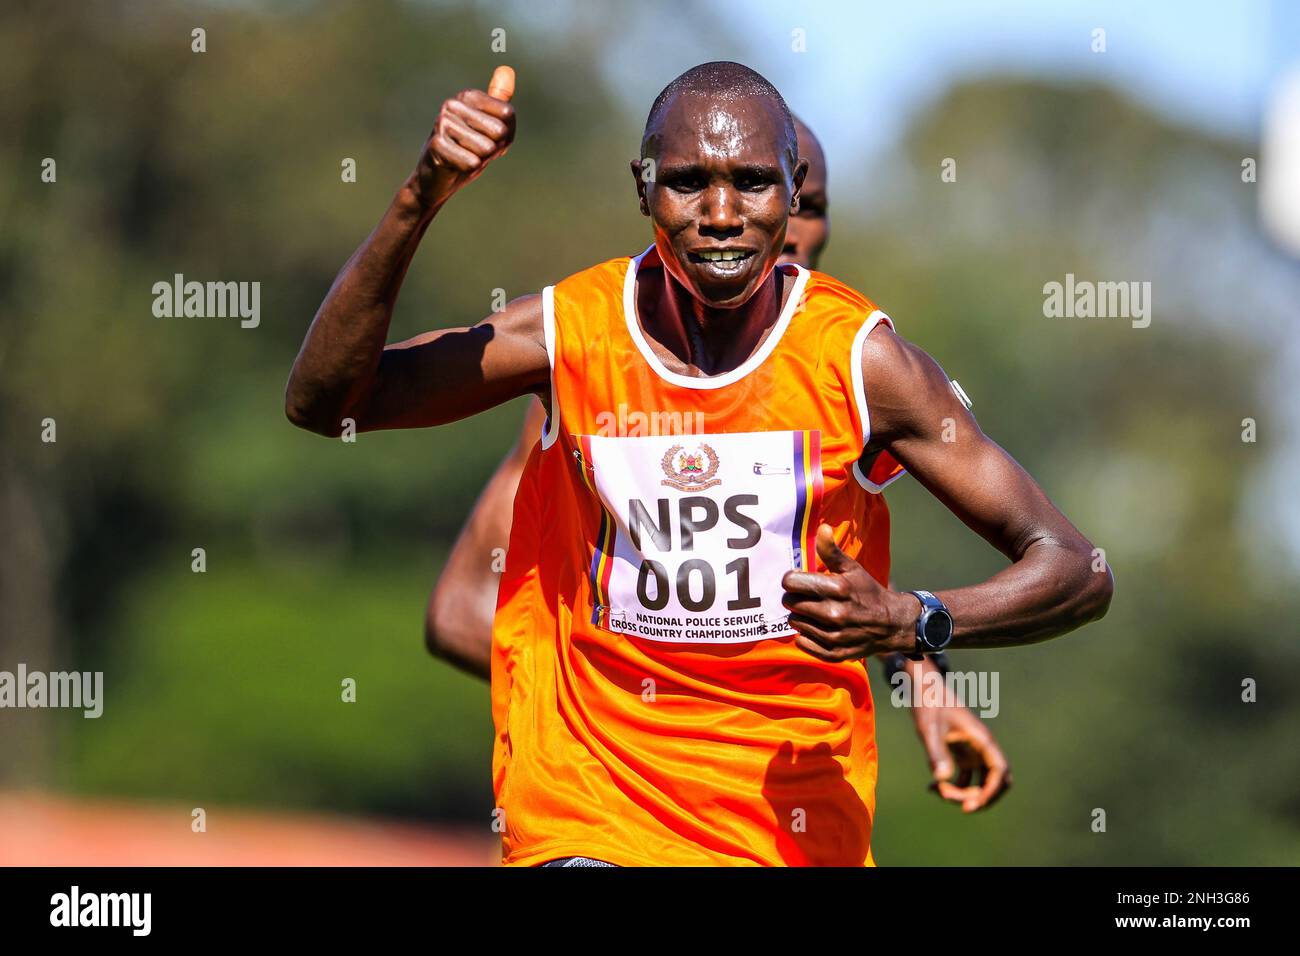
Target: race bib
point(698, 530)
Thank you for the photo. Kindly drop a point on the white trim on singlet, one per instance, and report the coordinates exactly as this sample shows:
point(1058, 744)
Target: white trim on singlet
point(860, 396)
point(551, 427)
point(710, 381)
point(870, 485)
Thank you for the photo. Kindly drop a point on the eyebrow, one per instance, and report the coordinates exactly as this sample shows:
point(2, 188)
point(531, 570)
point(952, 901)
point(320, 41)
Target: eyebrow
point(760, 169)
point(748, 169)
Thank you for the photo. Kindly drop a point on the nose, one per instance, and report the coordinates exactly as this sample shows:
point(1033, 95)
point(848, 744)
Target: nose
point(720, 215)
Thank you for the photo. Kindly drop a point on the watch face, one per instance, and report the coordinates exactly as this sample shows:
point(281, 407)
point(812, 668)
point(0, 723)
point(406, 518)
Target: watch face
point(938, 629)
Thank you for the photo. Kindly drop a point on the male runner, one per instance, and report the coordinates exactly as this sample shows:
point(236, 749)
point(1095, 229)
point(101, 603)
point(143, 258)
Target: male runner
point(675, 679)
point(458, 618)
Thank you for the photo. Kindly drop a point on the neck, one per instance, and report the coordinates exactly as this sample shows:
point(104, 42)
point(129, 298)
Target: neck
point(704, 340)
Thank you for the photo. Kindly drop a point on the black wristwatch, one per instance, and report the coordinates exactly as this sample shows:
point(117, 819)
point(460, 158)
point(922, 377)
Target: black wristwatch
point(933, 627)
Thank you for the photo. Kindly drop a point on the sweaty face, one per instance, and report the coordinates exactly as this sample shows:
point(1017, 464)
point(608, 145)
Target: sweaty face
point(721, 194)
point(810, 228)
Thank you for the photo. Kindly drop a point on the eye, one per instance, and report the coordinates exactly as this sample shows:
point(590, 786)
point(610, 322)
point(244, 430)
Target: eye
point(754, 182)
point(812, 205)
point(682, 182)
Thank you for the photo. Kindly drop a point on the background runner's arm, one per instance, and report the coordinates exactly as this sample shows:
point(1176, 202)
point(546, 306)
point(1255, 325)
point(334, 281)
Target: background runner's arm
point(967, 766)
point(344, 369)
point(458, 622)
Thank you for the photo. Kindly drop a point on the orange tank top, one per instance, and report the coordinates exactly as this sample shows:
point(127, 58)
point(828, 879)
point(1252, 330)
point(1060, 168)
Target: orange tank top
point(649, 703)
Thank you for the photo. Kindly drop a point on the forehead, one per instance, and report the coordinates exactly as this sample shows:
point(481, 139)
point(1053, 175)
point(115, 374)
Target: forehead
point(695, 127)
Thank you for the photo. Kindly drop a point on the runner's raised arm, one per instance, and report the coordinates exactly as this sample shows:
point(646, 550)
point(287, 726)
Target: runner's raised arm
point(345, 370)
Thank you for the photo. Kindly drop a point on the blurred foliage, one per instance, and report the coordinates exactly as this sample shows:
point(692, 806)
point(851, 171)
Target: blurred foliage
point(224, 687)
point(247, 664)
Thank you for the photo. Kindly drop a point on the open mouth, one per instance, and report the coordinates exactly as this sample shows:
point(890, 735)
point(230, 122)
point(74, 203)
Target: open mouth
point(721, 261)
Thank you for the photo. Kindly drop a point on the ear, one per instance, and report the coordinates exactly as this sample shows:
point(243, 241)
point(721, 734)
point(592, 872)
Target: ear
point(638, 170)
point(800, 174)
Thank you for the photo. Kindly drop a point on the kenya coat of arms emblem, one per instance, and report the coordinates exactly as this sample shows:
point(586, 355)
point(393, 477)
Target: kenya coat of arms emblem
point(688, 470)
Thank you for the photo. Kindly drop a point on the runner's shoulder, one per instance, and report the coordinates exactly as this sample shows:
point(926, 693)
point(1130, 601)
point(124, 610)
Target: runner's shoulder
point(899, 377)
point(899, 373)
point(884, 347)
point(520, 315)
point(837, 300)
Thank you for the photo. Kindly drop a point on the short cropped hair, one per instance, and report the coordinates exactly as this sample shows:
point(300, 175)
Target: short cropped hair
point(724, 80)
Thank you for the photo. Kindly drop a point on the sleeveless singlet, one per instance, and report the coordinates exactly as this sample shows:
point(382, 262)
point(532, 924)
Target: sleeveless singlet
point(650, 706)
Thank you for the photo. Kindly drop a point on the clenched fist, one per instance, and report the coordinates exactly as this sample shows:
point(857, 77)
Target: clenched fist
point(473, 129)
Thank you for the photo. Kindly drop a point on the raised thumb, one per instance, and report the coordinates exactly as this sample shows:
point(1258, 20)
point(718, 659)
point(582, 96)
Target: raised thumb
point(502, 84)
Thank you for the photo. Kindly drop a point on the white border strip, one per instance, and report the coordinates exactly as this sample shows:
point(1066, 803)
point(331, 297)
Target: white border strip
point(711, 381)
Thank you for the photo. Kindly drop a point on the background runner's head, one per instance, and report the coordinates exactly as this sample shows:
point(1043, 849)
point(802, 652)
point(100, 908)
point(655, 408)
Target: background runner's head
point(809, 229)
point(718, 176)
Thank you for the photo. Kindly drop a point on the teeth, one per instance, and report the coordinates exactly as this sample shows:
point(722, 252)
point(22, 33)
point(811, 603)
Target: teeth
point(725, 255)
